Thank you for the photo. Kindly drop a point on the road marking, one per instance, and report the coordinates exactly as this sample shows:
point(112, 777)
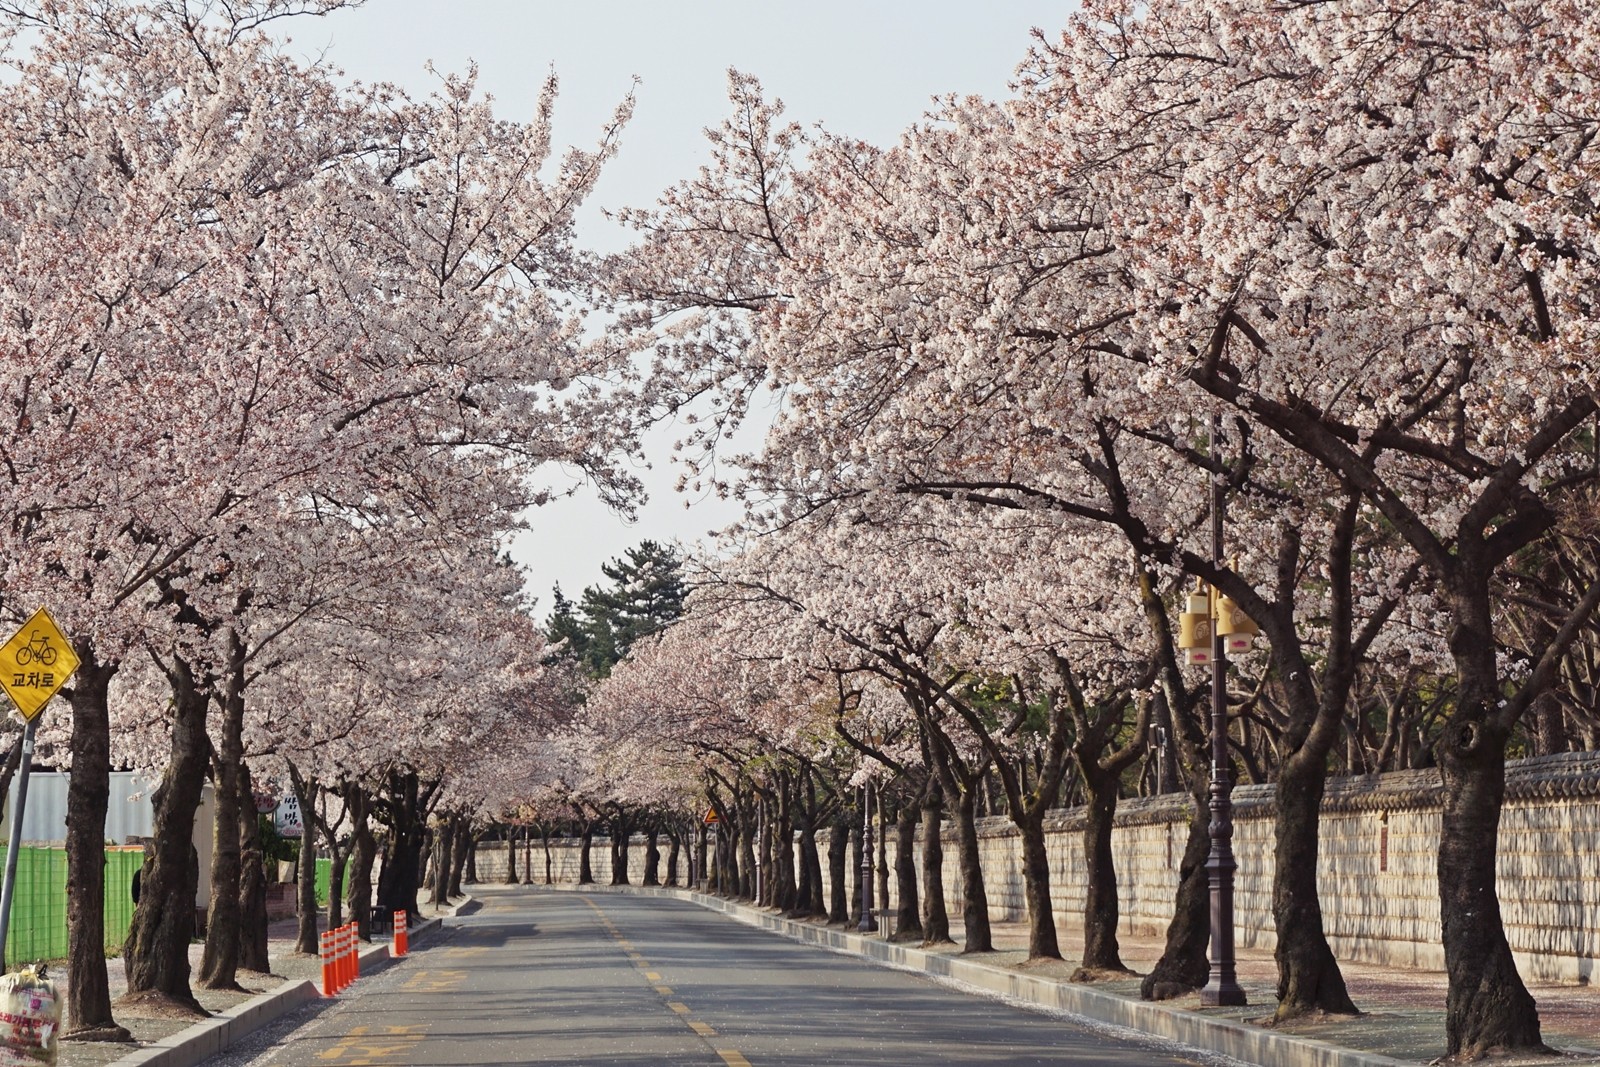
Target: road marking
point(652, 976)
point(370, 1046)
point(664, 990)
point(701, 1028)
point(732, 1058)
point(678, 1006)
point(434, 981)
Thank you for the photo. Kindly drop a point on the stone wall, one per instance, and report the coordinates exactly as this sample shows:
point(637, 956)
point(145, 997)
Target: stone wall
point(1379, 888)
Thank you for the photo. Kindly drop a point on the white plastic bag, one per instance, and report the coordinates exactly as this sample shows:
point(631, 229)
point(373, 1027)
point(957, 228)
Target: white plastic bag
point(30, 1017)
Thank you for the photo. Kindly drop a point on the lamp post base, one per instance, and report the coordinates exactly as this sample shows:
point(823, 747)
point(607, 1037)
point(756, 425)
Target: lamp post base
point(1223, 994)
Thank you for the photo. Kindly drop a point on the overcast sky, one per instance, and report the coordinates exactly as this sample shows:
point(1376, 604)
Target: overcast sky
point(866, 69)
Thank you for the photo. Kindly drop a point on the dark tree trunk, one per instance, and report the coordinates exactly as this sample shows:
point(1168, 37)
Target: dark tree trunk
point(444, 840)
point(908, 915)
point(674, 846)
point(470, 875)
point(585, 842)
point(813, 904)
point(975, 906)
point(1042, 943)
point(935, 916)
point(1183, 966)
point(880, 863)
point(1100, 911)
point(460, 852)
point(746, 842)
point(425, 865)
point(857, 880)
point(511, 855)
point(252, 881)
point(156, 953)
point(88, 1007)
point(219, 962)
point(363, 850)
point(838, 896)
point(786, 880)
point(305, 794)
point(700, 856)
point(1488, 1007)
point(544, 835)
point(398, 883)
point(652, 857)
point(621, 831)
point(338, 863)
point(1309, 978)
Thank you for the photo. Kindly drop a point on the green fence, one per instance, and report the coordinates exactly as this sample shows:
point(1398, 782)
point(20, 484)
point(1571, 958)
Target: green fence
point(323, 876)
point(38, 929)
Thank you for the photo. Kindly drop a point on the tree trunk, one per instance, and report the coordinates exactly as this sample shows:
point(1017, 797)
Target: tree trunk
point(813, 904)
point(511, 855)
point(398, 883)
point(363, 850)
point(1309, 979)
point(975, 906)
point(88, 1007)
point(908, 915)
point(935, 916)
point(252, 881)
point(672, 857)
point(470, 875)
point(857, 880)
point(652, 857)
point(460, 851)
point(585, 871)
point(1101, 954)
point(838, 898)
point(1042, 943)
point(621, 831)
point(219, 962)
point(156, 953)
point(444, 840)
point(425, 864)
point(1487, 1008)
point(545, 836)
point(745, 842)
point(305, 794)
point(785, 879)
point(1183, 966)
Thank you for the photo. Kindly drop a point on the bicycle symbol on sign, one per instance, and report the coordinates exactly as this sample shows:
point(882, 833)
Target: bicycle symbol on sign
point(38, 648)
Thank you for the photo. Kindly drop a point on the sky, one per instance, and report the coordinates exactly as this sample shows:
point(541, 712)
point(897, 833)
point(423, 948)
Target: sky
point(866, 69)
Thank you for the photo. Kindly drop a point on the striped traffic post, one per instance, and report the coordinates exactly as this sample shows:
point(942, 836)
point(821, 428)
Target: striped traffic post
point(402, 937)
point(329, 979)
point(355, 951)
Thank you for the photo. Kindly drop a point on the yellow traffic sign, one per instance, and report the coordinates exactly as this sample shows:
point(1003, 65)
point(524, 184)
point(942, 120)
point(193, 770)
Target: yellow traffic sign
point(35, 663)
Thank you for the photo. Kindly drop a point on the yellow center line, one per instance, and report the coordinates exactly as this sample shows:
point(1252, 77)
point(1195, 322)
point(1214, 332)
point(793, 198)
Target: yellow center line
point(678, 1006)
point(732, 1058)
point(701, 1028)
point(664, 990)
point(652, 976)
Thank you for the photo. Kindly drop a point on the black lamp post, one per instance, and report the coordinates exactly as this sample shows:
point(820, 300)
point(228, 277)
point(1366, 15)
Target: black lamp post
point(869, 922)
point(1223, 989)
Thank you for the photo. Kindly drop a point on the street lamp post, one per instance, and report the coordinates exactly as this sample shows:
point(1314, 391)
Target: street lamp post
point(869, 922)
point(1223, 989)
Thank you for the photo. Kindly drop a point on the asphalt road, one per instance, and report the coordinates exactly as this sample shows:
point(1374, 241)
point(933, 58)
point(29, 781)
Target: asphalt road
point(558, 977)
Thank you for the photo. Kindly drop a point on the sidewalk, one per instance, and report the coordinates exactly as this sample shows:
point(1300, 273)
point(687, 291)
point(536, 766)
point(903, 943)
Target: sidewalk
point(289, 973)
point(1403, 1020)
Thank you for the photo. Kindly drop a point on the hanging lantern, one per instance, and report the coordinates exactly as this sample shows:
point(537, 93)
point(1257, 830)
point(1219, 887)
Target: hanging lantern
point(1238, 630)
point(1194, 628)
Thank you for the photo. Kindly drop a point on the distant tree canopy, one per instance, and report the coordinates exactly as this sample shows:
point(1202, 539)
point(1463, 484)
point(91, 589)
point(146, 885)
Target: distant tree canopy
point(644, 594)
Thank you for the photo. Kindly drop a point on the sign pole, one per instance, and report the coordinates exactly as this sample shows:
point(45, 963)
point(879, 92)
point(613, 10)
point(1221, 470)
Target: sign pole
point(15, 847)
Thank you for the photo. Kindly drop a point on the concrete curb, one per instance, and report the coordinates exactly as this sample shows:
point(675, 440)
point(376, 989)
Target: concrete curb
point(210, 1036)
point(1251, 1044)
point(189, 1047)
